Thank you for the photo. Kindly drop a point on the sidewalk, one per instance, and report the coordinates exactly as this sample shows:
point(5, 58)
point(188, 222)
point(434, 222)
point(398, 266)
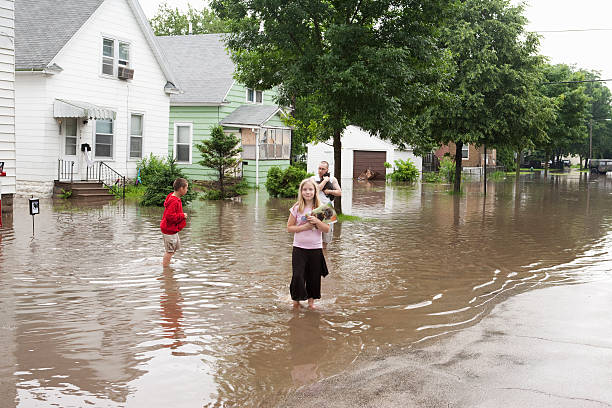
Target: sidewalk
point(549, 347)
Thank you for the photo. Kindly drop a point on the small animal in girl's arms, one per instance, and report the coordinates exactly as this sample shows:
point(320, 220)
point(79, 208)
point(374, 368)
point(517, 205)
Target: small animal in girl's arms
point(325, 213)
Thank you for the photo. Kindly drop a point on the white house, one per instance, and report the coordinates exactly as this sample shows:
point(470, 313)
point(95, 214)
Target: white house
point(91, 85)
point(7, 101)
point(360, 151)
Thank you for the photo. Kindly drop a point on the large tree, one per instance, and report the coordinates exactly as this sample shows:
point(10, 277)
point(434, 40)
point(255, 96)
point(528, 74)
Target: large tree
point(599, 117)
point(172, 21)
point(492, 95)
point(370, 63)
point(562, 84)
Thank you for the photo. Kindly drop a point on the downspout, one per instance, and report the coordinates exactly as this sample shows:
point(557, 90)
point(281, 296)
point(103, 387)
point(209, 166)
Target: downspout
point(257, 157)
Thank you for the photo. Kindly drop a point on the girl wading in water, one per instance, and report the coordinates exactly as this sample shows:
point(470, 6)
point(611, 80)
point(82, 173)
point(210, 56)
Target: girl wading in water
point(307, 258)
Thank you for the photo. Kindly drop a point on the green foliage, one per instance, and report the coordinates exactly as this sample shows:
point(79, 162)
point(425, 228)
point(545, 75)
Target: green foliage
point(220, 152)
point(233, 188)
point(505, 157)
point(159, 184)
point(149, 167)
point(447, 169)
point(171, 21)
point(497, 176)
point(133, 192)
point(300, 165)
point(493, 94)
point(285, 183)
point(404, 171)
point(66, 193)
point(388, 165)
point(431, 177)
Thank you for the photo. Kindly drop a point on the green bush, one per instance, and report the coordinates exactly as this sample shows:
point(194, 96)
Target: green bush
point(285, 183)
point(404, 171)
point(447, 169)
point(149, 167)
point(497, 175)
point(159, 183)
point(300, 165)
point(233, 188)
point(431, 177)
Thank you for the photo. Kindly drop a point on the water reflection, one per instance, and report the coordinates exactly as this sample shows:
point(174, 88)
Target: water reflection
point(88, 315)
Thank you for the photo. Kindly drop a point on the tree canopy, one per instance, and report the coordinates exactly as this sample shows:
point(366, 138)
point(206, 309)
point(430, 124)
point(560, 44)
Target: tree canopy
point(172, 21)
point(370, 63)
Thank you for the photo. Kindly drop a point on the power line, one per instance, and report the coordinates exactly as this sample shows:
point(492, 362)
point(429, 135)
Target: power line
point(576, 82)
point(572, 30)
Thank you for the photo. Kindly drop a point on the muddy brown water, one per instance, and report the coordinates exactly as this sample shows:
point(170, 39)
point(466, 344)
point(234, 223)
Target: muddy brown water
point(88, 317)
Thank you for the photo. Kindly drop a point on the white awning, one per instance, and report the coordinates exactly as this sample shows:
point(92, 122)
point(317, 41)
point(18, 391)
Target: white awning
point(76, 109)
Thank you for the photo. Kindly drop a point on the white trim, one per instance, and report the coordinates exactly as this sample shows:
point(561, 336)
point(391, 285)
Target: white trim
point(116, 40)
point(468, 151)
point(174, 138)
point(199, 104)
point(129, 141)
point(254, 102)
point(113, 147)
point(252, 125)
point(228, 90)
point(272, 115)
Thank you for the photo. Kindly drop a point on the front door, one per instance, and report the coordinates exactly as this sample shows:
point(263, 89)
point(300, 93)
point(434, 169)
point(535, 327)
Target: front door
point(70, 150)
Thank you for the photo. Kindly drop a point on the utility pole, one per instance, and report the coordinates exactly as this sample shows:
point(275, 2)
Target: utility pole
point(590, 139)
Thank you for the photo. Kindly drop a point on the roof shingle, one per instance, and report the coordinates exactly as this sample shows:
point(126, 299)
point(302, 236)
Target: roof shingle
point(202, 67)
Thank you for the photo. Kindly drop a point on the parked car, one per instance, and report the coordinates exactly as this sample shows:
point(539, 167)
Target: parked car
point(566, 163)
point(600, 166)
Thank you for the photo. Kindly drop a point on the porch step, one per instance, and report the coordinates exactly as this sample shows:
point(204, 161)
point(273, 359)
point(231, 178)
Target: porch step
point(83, 190)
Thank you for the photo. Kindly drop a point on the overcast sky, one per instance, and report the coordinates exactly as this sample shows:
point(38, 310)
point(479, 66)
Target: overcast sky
point(591, 50)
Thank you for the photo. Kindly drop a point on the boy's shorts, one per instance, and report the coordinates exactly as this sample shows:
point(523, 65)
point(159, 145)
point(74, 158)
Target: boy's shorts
point(327, 236)
point(172, 243)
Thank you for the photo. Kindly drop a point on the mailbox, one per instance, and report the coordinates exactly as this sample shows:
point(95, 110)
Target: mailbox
point(34, 206)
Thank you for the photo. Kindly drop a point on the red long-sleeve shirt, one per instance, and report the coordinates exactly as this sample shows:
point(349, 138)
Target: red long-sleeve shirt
point(173, 219)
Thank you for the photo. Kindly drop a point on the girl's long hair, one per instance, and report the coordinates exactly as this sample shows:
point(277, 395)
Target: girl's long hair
point(301, 203)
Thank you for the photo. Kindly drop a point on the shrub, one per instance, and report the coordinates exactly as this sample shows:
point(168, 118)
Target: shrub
point(149, 167)
point(447, 169)
point(159, 184)
point(233, 188)
point(431, 177)
point(497, 176)
point(404, 171)
point(285, 183)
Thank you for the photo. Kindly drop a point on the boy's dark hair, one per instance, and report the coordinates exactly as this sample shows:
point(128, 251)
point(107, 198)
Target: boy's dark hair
point(179, 183)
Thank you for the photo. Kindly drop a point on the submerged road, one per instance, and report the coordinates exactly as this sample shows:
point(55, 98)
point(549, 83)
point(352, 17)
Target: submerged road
point(550, 347)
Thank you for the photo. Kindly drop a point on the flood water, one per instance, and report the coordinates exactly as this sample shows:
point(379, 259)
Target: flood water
point(88, 317)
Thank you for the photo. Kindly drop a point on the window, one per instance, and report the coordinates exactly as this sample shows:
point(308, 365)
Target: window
point(465, 152)
point(274, 144)
point(182, 142)
point(70, 137)
point(114, 53)
point(254, 96)
point(104, 138)
point(136, 123)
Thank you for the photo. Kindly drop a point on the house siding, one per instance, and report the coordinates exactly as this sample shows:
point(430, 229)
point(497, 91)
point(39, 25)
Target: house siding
point(475, 155)
point(203, 118)
point(39, 141)
point(7, 99)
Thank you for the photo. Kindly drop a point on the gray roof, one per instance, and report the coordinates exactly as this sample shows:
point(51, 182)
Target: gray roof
point(252, 115)
point(202, 67)
point(43, 27)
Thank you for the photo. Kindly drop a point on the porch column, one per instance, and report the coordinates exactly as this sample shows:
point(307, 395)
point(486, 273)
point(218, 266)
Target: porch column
point(257, 131)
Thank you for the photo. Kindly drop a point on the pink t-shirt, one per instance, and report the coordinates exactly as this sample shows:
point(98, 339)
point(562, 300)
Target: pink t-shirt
point(309, 239)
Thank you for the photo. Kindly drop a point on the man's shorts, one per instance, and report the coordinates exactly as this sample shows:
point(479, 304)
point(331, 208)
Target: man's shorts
point(172, 243)
point(327, 236)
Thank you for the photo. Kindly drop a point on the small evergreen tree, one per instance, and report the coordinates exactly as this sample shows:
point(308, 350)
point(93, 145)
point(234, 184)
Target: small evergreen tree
point(220, 152)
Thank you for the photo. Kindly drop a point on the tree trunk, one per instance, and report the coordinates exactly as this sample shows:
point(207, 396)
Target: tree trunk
point(485, 169)
point(338, 167)
point(546, 156)
point(221, 183)
point(458, 160)
point(518, 164)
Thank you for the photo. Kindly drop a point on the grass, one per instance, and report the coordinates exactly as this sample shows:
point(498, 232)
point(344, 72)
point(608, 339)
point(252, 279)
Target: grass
point(346, 217)
point(133, 192)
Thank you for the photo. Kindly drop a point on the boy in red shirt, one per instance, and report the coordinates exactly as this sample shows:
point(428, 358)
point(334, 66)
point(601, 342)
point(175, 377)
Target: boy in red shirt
point(173, 219)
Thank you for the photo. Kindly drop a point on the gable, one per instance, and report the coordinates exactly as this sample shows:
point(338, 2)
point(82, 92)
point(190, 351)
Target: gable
point(43, 27)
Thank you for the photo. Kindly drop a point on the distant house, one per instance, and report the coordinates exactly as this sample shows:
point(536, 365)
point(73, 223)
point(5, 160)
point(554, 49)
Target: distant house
point(210, 97)
point(472, 156)
point(7, 103)
point(360, 151)
point(91, 85)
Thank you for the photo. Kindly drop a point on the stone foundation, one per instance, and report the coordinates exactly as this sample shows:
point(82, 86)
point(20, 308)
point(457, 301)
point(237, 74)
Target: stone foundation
point(38, 189)
point(7, 203)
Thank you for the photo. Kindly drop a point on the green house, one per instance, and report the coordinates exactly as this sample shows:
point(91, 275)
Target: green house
point(211, 96)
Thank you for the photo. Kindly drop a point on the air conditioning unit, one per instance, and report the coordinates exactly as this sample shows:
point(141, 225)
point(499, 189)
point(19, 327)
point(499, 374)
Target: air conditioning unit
point(125, 73)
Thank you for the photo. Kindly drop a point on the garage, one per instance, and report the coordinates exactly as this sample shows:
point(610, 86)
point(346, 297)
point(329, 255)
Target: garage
point(364, 159)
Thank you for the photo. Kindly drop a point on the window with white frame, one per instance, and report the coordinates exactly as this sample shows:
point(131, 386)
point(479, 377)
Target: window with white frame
point(115, 53)
point(104, 138)
point(183, 133)
point(70, 136)
point(465, 152)
point(136, 126)
point(254, 96)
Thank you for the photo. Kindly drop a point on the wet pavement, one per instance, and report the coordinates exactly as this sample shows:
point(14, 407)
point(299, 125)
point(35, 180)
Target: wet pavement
point(89, 317)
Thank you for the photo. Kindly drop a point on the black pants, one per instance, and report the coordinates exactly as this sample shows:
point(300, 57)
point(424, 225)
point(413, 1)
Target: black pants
point(308, 267)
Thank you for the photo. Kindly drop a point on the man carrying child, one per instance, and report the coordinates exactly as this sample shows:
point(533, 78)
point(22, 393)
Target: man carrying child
point(329, 189)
